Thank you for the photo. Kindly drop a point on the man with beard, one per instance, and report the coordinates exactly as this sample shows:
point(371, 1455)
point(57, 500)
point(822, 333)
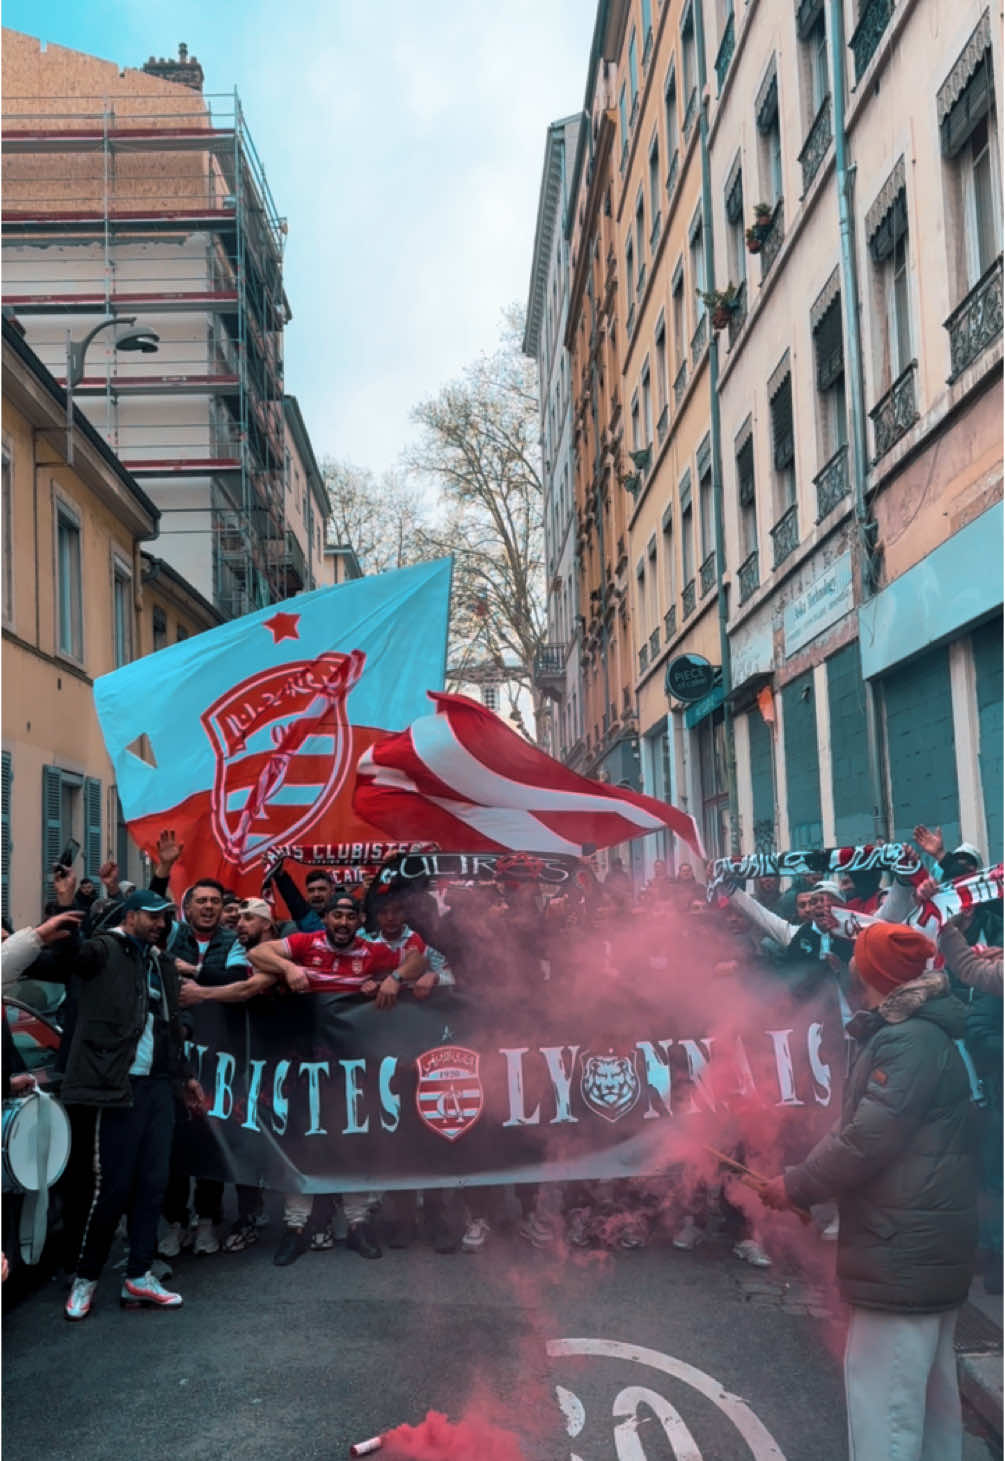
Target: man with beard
point(254, 924)
point(335, 961)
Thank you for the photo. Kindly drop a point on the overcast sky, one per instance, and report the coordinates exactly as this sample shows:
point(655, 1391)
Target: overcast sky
point(404, 142)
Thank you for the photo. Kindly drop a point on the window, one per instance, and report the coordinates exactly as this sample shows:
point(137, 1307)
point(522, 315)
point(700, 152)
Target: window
point(8, 539)
point(831, 403)
point(967, 122)
point(899, 318)
point(886, 229)
point(71, 807)
point(630, 273)
point(688, 58)
point(696, 248)
point(647, 406)
point(623, 114)
point(647, 25)
point(706, 507)
point(814, 58)
point(490, 697)
point(637, 442)
point(747, 497)
point(640, 239)
point(160, 627)
point(770, 139)
point(633, 69)
point(686, 530)
point(661, 363)
point(783, 444)
point(655, 181)
point(668, 557)
point(736, 241)
point(670, 112)
point(978, 168)
point(677, 301)
point(180, 633)
point(652, 580)
point(122, 612)
point(69, 603)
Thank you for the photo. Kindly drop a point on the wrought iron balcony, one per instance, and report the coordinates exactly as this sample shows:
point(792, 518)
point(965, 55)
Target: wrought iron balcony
point(680, 384)
point(661, 424)
point(670, 623)
point(976, 321)
point(726, 48)
point(654, 644)
point(549, 663)
point(771, 242)
point(643, 657)
point(687, 599)
point(690, 113)
point(874, 20)
point(699, 340)
point(816, 144)
point(832, 483)
point(673, 173)
point(896, 412)
point(785, 535)
point(749, 576)
point(707, 572)
point(738, 315)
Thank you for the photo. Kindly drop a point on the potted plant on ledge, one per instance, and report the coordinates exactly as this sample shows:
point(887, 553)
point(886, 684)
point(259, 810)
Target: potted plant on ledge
point(760, 228)
point(721, 305)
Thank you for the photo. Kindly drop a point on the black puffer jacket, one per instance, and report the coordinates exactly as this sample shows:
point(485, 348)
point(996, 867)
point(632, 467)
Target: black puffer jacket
point(113, 1003)
point(901, 1163)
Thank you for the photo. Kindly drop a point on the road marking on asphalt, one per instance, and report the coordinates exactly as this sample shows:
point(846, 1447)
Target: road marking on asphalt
point(763, 1446)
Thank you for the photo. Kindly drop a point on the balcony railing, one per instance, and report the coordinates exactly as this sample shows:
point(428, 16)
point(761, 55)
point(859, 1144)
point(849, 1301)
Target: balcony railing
point(772, 240)
point(896, 412)
point(643, 657)
point(690, 113)
point(749, 576)
point(738, 315)
point(673, 173)
point(687, 599)
point(654, 644)
point(785, 535)
point(832, 483)
point(680, 384)
point(670, 623)
point(816, 144)
point(661, 424)
point(549, 663)
point(726, 49)
point(707, 572)
point(976, 321)
point(699, 340)
point(868, 32)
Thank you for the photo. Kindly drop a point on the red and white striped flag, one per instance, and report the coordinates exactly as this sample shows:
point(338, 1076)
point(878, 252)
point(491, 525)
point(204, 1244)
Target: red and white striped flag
point(463, 779)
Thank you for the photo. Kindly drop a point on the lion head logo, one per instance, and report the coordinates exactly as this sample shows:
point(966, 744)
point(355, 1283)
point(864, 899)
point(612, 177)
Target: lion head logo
point(609, 1084)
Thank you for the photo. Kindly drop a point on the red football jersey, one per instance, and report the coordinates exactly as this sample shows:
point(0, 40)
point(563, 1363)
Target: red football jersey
point(338, 971)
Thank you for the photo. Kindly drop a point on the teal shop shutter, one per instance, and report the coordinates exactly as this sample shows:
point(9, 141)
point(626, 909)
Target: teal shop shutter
point(52, 826)
point(987, 645)
point(92, 826)
point(921, 747)
point(802, 763)
point(8, 777)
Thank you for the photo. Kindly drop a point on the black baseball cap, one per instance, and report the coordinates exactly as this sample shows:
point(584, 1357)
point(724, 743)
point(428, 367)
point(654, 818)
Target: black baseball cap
point(145, 900)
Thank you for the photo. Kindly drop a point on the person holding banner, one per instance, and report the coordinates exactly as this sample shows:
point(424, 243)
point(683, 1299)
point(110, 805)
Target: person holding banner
point(901, 1165)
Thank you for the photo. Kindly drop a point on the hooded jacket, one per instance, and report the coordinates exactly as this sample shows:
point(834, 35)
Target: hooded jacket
point(901, 1162)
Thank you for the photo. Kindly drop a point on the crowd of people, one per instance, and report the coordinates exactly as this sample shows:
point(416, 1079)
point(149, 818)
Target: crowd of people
point(134, 966)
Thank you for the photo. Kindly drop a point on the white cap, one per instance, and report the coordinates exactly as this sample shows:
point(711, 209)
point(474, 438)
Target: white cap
point(967, 849)
point(829, 887)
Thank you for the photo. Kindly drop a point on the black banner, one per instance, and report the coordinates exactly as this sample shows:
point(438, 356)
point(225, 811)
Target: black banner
point(324, 1093)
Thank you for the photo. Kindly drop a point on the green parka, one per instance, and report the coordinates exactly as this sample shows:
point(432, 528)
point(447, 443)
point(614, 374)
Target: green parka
point(902, 1161)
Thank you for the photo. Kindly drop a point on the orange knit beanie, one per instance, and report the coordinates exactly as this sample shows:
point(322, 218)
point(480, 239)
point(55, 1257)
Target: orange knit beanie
point(889, 954)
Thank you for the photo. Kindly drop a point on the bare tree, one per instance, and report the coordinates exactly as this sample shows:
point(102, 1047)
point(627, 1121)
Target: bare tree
point(479, 450)
point(382, 518)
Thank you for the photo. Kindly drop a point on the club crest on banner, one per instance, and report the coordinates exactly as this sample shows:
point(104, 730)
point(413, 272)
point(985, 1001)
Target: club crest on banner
point(449, 1096)
point(282, 744)
point(609, 1084)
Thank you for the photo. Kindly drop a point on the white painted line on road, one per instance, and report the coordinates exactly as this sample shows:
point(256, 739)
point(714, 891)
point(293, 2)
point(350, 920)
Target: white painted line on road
point(763, 1446)
point(626, 1435)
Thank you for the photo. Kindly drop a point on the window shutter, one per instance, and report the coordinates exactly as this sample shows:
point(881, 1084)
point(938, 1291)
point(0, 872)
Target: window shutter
point(972, 106)
point(52, 825)
point(829, 348)
point(892, 227)
point(8, 777)
point(781, 425)
point(92, 825)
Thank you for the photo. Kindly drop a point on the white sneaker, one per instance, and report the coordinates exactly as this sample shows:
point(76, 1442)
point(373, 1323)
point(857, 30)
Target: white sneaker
point(205, 1237)
point(147, 1290)
point(688, 1235)
point(174, 1240)
point(539, 1232)
point(831, 1231)
point(751, 1252)
point(78, 1304)
point(475, 1235)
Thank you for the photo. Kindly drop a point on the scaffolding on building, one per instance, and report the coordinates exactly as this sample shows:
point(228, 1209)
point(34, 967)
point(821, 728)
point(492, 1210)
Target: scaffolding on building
point(158, 206)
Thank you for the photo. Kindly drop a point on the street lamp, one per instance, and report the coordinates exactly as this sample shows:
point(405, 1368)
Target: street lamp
point(125, 338)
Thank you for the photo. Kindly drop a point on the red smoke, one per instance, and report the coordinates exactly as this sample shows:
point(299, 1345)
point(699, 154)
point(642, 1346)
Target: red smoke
point(473, 1438)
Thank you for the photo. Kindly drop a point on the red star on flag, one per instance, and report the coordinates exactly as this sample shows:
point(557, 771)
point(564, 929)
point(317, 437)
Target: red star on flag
point(283, 626)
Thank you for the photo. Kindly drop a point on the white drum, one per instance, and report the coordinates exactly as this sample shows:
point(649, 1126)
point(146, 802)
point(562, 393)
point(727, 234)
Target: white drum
point(32, 1124)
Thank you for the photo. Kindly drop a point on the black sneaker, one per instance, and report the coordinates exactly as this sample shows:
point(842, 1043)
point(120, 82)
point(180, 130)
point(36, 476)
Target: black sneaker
point(445, 1239)
point(291, 1245)
point(402, 1234)
point(362, 1241)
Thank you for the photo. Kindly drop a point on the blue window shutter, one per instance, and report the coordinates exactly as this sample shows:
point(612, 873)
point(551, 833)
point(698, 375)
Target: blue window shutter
point(92, 826)
point(52, 825)
point(8, 777)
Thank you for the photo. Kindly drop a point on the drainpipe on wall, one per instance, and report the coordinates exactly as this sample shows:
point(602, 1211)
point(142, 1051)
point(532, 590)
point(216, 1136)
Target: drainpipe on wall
point(865, 536)
point(716, 437)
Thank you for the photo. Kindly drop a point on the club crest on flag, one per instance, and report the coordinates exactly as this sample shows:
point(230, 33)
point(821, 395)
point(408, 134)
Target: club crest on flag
point(449, 1096)
point(609, 1084)
point(282, 745)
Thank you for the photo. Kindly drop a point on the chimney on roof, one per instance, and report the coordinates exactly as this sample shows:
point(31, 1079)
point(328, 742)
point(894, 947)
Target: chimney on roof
point(186, 71)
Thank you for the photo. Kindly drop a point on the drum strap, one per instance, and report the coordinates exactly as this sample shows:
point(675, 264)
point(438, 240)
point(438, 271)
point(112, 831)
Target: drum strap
point(35, 1210)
